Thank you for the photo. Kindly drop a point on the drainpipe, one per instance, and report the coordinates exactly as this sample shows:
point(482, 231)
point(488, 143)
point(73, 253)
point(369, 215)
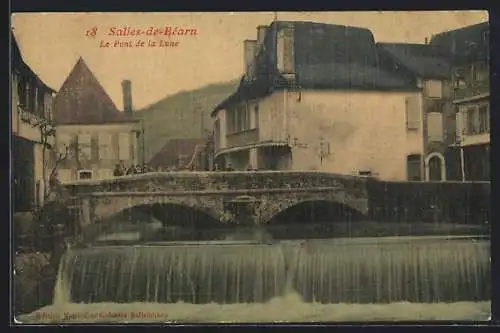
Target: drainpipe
point(462, 163)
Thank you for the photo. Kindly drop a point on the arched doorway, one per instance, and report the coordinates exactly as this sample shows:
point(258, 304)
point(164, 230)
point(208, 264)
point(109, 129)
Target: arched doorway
point(435, 167)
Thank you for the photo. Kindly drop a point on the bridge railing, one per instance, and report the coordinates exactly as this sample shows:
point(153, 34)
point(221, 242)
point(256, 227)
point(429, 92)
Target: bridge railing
point(219, 181)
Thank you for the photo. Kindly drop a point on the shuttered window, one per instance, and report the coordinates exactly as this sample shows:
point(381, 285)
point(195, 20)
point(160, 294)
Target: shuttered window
point(105, 150)
point(435, 126)
point(484, 119)
point(434, 89)
point(412, 113)
point(84, 146)
point(63, 141)
point(124, 146)
point(413, 163)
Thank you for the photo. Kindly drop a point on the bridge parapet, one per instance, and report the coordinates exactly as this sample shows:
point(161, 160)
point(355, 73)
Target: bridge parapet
point(219, 181)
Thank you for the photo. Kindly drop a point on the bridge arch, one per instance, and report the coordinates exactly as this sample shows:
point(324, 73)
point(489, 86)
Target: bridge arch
point(315, 210)
point(314, 218)
point(165, 221)
point(107, 206)
point(269, 208)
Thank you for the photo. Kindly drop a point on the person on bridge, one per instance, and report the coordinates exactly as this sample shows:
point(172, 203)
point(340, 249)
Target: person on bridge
point(117, 172)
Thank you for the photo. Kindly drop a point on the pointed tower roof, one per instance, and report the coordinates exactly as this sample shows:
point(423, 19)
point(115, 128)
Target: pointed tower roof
point(82, 100)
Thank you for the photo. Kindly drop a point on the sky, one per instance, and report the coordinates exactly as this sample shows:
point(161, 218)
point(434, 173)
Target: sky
point(51, 44)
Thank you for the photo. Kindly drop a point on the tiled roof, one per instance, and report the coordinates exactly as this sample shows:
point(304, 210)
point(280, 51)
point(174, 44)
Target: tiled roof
point(422, 59)
point(326, 56)
point(82, 100)
point(21, 67)
point(169, 154)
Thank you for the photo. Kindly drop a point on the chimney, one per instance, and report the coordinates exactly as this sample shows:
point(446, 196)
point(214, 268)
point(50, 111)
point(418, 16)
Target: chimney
point(127, 95)
point(261, 34)
point(250, 47)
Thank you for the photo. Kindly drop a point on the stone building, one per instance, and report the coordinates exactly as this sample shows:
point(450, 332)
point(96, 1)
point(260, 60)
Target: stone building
point(98, 135)
point(31, 109)
point(468, 51)
point(315, 98)
point(428, 69)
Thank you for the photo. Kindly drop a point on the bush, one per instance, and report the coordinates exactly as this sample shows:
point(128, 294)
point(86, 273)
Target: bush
point(34, 281)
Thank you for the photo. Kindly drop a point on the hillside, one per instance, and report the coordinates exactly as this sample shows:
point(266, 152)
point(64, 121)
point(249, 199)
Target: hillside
point(183, 115)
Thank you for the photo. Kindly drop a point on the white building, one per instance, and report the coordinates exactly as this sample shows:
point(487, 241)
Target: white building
point(314, 98)
point(98, 134)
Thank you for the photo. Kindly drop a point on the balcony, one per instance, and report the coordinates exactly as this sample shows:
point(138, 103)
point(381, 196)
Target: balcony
point(477, 89)
point(243, 138)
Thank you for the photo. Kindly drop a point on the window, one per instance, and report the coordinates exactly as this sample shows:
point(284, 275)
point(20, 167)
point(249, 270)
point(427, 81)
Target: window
point(124, 146)
point(256, 113)
point(434, 89)
point(484, 119)
point(40, 103)
point(84, 174)
point(238, 119)
point(435, 126)
point(285, 48)
point(63, 142)
point(48, 107)
point(84, 146)
point(412, 113)
point(480, 72)
point(28, 92)
point(217, 133)
point(21, 91)
point(413, 163)
point(105, 151)
point(472, 120)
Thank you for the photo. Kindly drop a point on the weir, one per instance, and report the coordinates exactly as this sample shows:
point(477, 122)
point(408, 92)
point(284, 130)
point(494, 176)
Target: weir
point(345, 270)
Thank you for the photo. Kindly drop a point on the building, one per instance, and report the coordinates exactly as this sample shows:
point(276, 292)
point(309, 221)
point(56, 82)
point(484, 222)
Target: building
point(428, 68)
point(315, 98)
point(30, 115)
point(468, 51)
point(90, 127)
point(180, 154)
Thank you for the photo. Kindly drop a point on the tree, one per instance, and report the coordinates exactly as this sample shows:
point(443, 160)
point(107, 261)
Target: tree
point(50, 164)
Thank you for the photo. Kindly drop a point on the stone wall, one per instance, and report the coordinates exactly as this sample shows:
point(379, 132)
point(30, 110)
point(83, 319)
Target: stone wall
point(442, 202)
point(217, 181)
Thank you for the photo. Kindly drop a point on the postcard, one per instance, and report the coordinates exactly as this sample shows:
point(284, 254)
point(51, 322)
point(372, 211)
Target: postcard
point(250, 167)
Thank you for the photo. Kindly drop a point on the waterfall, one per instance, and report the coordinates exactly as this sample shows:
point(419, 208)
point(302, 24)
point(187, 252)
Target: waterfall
point(356, 270)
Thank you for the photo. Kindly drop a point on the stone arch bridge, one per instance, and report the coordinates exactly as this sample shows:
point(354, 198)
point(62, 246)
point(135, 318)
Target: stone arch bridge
point(220, 195)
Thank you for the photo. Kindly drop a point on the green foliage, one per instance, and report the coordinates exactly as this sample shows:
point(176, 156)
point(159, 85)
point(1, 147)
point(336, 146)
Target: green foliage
point(34, 280)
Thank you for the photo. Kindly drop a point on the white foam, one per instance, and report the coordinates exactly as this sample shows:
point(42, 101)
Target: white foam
point(282, 309)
